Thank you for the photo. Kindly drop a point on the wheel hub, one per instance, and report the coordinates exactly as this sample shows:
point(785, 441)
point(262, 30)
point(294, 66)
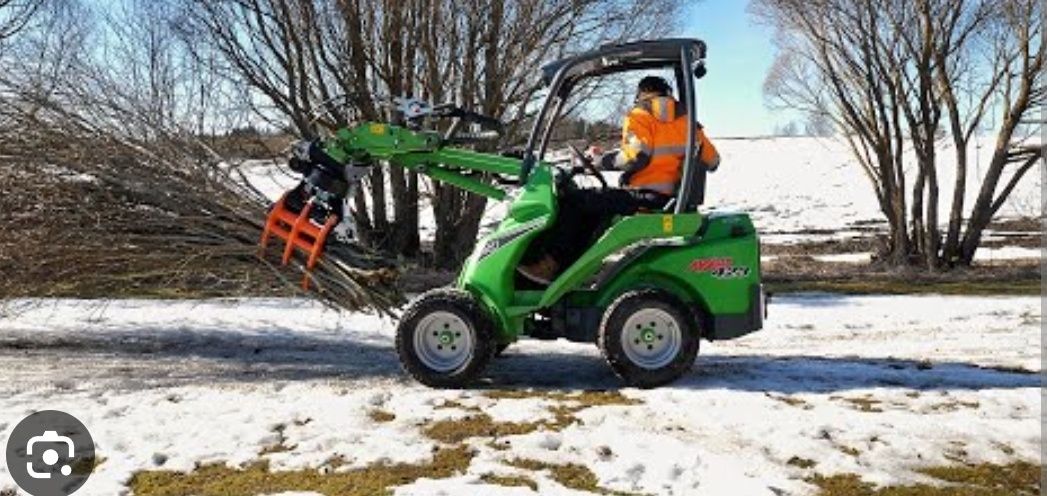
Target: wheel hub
point(651, 338)
point(443, 341)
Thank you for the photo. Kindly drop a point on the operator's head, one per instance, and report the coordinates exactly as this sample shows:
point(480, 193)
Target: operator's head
point(651, 87)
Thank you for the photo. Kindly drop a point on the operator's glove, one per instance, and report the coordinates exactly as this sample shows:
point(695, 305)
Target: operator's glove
point(610, 160)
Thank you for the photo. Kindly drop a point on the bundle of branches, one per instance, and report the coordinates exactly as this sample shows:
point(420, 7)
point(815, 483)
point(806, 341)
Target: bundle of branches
point(90, 212)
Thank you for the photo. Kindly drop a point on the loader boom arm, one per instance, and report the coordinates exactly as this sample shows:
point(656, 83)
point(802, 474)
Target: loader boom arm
point(423, 152)
point(304, 217)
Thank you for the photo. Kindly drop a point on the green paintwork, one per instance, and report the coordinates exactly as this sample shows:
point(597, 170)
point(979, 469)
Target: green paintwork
point(421, 151)
point(490, 275)
point(623, 233)
point(671, 268)
point(674, 262)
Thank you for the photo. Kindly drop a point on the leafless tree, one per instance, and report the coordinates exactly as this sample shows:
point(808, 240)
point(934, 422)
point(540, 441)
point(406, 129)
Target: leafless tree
point(892, 74)
point(481, 54)
point(111, 191)
point(16, 14)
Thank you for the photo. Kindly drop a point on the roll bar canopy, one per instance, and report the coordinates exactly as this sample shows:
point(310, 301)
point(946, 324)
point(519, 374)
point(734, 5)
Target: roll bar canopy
point(686, 56)
point(624, 57)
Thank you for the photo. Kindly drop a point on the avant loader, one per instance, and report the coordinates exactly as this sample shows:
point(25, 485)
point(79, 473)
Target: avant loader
point(646, 291)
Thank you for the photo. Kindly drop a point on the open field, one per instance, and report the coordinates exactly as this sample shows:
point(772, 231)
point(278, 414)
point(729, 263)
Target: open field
point(283, 394)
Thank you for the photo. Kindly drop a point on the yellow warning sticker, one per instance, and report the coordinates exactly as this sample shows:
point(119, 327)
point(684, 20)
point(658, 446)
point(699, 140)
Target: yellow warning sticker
point(667, 224)
point(377, 128)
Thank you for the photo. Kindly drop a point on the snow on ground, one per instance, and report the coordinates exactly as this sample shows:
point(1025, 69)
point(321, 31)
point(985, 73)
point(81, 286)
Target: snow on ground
point(874, 385)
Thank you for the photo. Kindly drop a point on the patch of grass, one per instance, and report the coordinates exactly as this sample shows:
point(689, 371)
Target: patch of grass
point(482, 425)
point(478, 425)
point(564, 414)
point(848, 450)
point(1006, 449)
point(449, 404)
point(257, 478)
point(570, 475)
point(1016, 479)
point(280, 446)
point(861, 285)
point(803, 463)
point(84, 466)
point(510, 480)
point(587, 398)
point(381, 416)
point(862, 404)
point(789, 400)
point(499, 445)
point(954, 405)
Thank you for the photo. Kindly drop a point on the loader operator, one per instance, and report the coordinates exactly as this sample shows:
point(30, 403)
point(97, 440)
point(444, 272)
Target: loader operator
point(651, 154)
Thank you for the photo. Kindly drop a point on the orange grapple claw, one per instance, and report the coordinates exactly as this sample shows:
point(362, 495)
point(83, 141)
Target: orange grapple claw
point(298, 232)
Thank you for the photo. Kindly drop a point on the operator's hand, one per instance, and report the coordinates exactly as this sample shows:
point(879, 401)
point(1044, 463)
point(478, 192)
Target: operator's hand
point(595, 153)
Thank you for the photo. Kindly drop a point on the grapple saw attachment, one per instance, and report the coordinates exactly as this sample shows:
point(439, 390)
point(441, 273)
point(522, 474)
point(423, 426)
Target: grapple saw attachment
point(305, 217)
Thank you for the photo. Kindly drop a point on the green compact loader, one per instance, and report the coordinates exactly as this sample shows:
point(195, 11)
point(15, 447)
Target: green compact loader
point(645, 292)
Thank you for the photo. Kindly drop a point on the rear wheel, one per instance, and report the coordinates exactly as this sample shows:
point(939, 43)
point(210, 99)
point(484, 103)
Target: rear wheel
point(648, 337)
point(445, 339)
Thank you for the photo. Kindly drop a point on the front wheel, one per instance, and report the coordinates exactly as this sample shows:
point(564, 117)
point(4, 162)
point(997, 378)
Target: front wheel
point(445, 339)
point(648, 337)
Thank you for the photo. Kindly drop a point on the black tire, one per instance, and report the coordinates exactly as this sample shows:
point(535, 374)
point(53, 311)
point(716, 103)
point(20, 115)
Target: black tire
point(499, 350)
point(462, 305)
point(612, 328)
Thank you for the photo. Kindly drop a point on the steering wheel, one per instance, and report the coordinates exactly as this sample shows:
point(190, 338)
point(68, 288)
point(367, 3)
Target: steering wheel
point(588, 166)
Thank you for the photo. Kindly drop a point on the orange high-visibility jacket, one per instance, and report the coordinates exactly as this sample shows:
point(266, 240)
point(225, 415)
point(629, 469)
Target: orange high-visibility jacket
point(654, 138)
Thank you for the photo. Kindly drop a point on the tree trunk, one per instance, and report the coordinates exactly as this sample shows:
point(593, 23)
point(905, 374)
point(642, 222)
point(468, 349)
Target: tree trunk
point(931, 235)
point(458, 217)
point(950, 252)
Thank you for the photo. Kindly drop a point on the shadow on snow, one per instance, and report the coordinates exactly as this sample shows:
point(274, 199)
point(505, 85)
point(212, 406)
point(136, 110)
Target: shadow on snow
point(199, 357)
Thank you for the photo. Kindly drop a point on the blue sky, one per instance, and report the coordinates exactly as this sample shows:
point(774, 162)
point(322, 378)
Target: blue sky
point(730, 96)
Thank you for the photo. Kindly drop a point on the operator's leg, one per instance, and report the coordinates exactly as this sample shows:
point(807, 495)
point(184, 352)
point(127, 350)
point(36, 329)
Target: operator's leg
point(582, 216)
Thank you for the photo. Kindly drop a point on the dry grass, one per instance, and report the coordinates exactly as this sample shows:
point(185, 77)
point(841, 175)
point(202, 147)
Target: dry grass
point(510, 480)
point(257, 478)
point(479, 424)
point(454, 404)
point(862, 404)
point(888, 286)
point(1015, 479)
point(848, 450)
point(280, 446)
point(806, 274)
point(583, 399)
point(954, 405)
point(801, 462)
point(381, 416)
point(570, 475)
point(790, 400)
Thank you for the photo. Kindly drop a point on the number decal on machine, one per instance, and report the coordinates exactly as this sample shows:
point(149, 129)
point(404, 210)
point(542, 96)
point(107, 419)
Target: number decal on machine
point(710, 264)
point(734, 272)
point(720, 268)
